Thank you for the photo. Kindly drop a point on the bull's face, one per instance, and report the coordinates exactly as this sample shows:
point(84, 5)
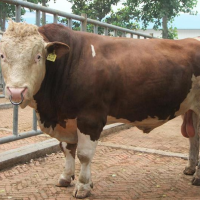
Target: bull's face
point(23, 56)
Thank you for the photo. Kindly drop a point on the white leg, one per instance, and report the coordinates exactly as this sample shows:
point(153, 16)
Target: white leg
point(194, 148)
point(85, 152)
point(69, 170)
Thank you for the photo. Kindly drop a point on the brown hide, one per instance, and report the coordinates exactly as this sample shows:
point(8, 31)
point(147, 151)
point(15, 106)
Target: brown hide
point(127, 79)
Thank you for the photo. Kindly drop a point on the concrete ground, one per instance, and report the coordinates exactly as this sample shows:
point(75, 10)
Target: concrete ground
point(120, 171)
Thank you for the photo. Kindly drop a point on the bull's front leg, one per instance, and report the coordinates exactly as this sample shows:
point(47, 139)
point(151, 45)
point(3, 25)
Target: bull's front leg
point(69, 151)
point(85, 152)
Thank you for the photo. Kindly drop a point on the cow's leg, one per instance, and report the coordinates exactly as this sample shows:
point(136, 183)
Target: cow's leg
point(69, 151)
point(194, 148)
point(85, 152)
point(194, 151)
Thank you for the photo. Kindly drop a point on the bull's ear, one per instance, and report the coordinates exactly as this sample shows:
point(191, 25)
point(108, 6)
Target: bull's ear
point(58, 48)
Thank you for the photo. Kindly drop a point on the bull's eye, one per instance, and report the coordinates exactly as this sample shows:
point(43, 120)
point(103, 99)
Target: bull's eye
point(38, 57)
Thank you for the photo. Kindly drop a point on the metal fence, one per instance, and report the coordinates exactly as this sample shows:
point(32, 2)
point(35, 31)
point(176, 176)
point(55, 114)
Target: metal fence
point(84, 21)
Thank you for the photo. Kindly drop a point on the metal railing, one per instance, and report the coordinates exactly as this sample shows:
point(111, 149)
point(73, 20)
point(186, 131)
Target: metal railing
point(56, 13)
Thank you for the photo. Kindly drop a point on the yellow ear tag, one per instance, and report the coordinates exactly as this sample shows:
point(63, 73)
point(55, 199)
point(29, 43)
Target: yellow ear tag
point(51, 57)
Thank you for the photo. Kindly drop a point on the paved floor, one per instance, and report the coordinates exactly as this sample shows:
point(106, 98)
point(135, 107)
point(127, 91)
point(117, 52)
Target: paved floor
point(118, 174)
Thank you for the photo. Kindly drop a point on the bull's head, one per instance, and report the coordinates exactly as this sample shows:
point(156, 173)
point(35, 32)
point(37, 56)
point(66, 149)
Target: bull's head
point(23, 54)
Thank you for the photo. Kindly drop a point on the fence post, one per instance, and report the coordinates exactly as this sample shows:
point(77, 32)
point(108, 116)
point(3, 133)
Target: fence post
point(17, 13)
point(70, 23)
point(34, 121)
point(15, 120)
point(43, 13)
point(84, 22)
point(37, 17)
point(106, 31)
point(95, 29)
point(131, 35)
point(123, 34)
point(115, 33)
point(151, 34)
point(55, 18)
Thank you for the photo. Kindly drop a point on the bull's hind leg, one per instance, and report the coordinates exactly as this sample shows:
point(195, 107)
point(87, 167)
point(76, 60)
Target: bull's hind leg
point(85, 152)
point(194, 152)
point(194, 148)
point(69, 151)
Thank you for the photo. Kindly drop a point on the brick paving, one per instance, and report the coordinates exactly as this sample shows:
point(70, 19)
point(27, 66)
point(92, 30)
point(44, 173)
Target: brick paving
point(117, 175)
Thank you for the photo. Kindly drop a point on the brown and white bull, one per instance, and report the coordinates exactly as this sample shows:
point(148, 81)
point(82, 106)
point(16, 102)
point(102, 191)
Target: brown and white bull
point(78, 82)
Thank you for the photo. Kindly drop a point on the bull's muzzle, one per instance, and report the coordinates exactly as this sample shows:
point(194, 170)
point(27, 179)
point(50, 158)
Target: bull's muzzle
point(16, 95)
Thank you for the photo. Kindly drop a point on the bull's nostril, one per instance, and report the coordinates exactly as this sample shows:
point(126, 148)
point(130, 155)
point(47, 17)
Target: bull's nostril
point(16, 95)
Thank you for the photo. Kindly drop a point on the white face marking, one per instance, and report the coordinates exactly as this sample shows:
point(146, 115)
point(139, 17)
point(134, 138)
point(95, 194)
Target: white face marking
point(93, 51)
point(23, 58)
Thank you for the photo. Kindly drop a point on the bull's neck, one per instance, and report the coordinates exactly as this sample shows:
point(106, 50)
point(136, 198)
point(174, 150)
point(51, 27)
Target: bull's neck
point(56, 96)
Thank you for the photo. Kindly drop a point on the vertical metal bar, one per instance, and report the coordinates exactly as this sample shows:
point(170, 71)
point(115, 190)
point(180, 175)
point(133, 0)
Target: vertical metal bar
point(115, 33)
point(123, 34)
point(43, 18)
point(34, 121)
point(95, 29)
point(106, 31)
point(43, 13)
point(17, 13)
point(84, 22)
point(15, 120)
point(138, 36)
point(70, 23)
point(3, 85)
point(37, 17)
point(55, 18)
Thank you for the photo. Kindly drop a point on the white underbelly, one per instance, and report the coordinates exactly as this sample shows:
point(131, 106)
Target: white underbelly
point(67, 134)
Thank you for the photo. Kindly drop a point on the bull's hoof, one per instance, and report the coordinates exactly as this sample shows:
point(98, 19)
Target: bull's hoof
point(189, 171)
point(81, 194)
point(82, 191)
point(63, 183)
point(196, 181)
